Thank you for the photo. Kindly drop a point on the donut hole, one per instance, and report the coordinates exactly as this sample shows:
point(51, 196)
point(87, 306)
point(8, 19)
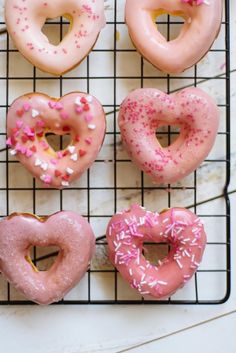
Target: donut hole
point(54, 32)
point(58, 142)
point(167, 135)
point(155, 253)
point(169, 25)
point(42, 258)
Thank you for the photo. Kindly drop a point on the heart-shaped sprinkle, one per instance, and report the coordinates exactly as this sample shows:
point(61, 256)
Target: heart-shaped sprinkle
point(69, 231)
point(35, 113)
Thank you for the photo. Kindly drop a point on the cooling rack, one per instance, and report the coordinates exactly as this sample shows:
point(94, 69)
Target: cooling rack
point(111, 70)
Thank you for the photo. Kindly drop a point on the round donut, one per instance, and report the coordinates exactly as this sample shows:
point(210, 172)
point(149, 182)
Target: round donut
point(202, 21)
point(32, 116)
point(145, 110)
point(67, 230)
point(178, 227)
point(25, 19)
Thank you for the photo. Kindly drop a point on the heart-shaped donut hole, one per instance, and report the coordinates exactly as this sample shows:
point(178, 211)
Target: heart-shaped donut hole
point(42, 258)
point(58, 142)
point(167, 135)
point(56, 34)
point(67, 231)
point(169, 25)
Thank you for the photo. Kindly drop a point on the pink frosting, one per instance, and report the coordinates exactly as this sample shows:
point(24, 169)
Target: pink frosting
point(199, 31)
point(67, 230)
point(180, 228)
point(145, 110)
point(31, 116)
point(25, 19)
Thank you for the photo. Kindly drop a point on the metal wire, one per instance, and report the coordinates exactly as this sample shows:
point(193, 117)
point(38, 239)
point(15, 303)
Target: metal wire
point(113, 108)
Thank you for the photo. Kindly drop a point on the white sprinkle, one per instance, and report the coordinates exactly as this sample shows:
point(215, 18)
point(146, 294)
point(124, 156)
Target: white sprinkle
point(165, 220)
point(89, 99)
point(13, 152)
point(130, 271)
point(42, 177)
point(35, 113)
point(77, 101)
point(74, 157)
point(162, 282)
point(65, 183)
point(144, 293)
point(38, 162)
point(69, 171)
point(179, 263)
point(44, 166)
point(71, 149)
point(92, 126)
point(118, 247)
point(143, 276)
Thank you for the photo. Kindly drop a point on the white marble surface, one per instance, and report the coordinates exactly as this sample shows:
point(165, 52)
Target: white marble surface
point(68, 329)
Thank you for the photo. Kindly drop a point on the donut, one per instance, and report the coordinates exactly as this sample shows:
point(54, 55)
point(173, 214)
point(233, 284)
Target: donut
point(34, 115)
point(145, 110)
point(67, 230)
point(25, 20)
point(178, 227)
point(202, 21)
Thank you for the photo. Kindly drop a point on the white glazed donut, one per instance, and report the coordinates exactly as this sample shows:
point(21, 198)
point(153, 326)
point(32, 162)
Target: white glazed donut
point(25, 19)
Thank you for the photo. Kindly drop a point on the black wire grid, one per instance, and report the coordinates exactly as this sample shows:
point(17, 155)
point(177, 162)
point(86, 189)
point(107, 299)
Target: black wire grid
point(109, 278)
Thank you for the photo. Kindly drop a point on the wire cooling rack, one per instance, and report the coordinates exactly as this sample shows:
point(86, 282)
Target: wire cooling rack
point(111, 70)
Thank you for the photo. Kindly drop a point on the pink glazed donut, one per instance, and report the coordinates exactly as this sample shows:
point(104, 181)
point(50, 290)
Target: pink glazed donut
point(178, 227)
point(25, 19)
point(67, 230)
point(202, 20)
point(145, 110)
point(32, 116)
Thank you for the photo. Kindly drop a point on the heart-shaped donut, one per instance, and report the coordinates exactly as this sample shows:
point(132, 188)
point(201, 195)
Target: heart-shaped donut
point(32, 116)
point(25, 19)
point(202, 20)
point(67, 230)
point(178, 227)
point(145, 110)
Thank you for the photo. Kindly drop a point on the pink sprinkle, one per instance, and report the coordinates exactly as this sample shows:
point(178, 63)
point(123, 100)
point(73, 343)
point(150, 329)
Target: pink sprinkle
point(40, 123)
point(44, 144)
point(52, 104)
point(29, 153)
point(64, 115)
point(79, 110)
point(58, 106)
point(88, 118)
point(28, 131)
point(47, 179)
point(88, 140)
point(19, 124)
point(53, 161)
point(60, 154)
point(26, 107)
point(9, 141)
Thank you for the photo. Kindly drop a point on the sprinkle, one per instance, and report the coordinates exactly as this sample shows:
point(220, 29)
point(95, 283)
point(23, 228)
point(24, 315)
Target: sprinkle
point(165, 220)
point(53, 161)
point(57, 173)
point(9, 141)
point(34, 113)
point(20, 113)
point(88, 140)
point(40, 123)
point(52, 104)
point(64, 115)
point(71, 149)
point(179, 263)
point(79, 110)
point(37, 162)
point(29, 153)
point(58, 106)
point(163, 283)
point(78, 100)
point(83, 100)
point(65, 183)
point(19, 124)
point(44, 166)
point(92, 126)
point(69, 171)
point(13, 152)
point(47, 179)
point(26, 106)
point(59, 154)
point(90, 99)
point(130, 271)
point(88, 118)
point(74, 157)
